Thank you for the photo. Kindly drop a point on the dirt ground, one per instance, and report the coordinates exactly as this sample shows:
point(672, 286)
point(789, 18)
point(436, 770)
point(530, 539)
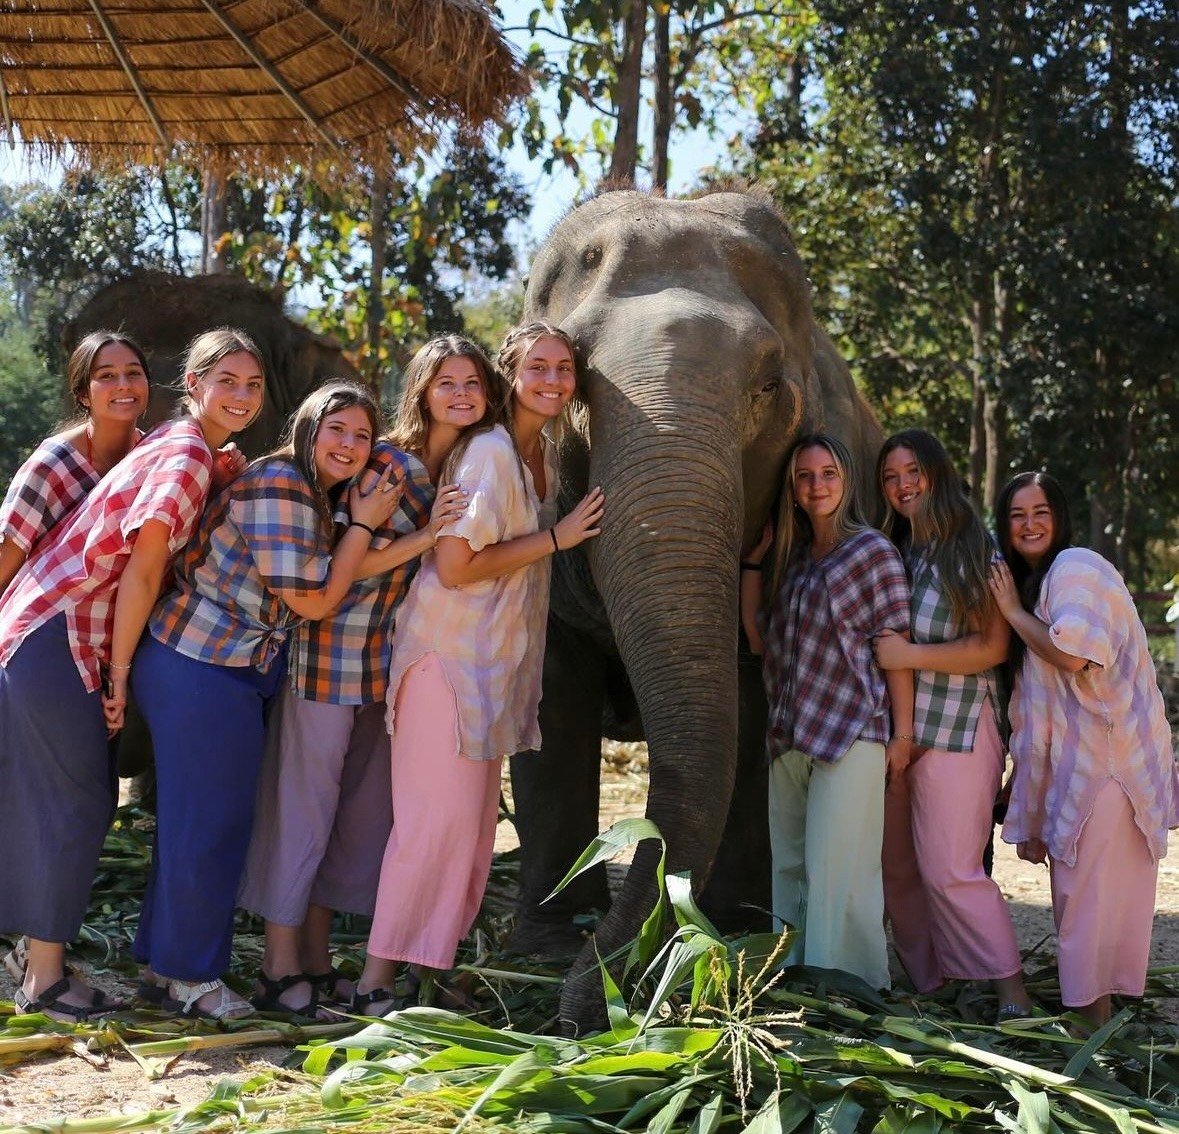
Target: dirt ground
point(70, 1087)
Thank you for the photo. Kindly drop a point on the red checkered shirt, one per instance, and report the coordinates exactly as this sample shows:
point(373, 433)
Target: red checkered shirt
point(344, 659)
point(166, 477)
point(261, 535)
point(55, 479)
point(825, 689)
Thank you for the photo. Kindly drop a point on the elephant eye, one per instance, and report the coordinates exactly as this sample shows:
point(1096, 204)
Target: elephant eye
point(591, 257)
point(771, 387)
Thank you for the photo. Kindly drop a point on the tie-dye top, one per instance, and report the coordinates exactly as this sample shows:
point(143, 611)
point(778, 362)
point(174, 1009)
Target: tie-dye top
point(1074, 732)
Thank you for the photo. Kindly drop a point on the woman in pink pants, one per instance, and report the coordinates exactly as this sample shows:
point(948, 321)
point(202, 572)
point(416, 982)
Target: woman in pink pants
point(464, 683)
point(949, 920)
point(1096, 786)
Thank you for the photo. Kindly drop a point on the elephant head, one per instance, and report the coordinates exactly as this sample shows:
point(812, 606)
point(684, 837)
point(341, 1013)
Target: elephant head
point(701, 362)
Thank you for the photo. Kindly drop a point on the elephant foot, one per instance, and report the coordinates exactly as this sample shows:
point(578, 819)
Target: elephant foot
point(550, 940)
point(583, 1004)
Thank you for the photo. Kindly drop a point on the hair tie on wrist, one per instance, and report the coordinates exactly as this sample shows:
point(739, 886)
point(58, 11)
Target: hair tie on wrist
point(358, 524)
point(747, 566)
point(553, 535)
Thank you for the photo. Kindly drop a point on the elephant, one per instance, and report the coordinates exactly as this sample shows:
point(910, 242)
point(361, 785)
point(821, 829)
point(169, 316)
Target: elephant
point(701, 361)
point(163, 313)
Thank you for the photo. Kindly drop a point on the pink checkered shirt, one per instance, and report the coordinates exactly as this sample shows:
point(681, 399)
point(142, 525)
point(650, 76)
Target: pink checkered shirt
point(55, 479)
point(166, 477)
point(825, 689)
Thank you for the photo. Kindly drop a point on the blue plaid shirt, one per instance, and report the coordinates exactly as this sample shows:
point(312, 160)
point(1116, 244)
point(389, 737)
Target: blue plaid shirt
point(260, 535)
point(344, 659)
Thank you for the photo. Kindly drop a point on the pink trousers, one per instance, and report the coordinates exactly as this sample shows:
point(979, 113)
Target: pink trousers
point(949, 920)
point(445, 808)
point(1104, 905)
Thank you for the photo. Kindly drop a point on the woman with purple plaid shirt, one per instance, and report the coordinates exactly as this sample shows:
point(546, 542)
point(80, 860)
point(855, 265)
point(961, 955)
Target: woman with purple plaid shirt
point(949, 919)
point(837, 724)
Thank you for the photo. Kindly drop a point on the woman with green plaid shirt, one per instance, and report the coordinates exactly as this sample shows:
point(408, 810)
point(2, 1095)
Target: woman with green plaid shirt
point(949, 919)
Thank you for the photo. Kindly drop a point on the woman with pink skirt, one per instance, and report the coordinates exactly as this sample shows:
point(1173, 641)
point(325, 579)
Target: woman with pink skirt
point(464, 683)
point(949, 919)
point(1096, 786)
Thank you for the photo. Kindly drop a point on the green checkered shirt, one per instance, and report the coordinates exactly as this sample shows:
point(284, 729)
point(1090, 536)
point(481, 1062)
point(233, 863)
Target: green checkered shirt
point(946, 705)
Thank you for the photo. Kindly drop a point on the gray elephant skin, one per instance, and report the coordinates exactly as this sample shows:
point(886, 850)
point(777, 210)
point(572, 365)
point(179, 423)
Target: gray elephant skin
point(701, 362)
point(163, 313)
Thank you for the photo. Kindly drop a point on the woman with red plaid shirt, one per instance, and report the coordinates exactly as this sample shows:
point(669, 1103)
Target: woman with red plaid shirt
point(107, 378)
point(264, 558)
point(68, 626)
point(837, 725)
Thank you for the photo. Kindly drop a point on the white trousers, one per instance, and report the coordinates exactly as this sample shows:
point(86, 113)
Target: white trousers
point(826, 830)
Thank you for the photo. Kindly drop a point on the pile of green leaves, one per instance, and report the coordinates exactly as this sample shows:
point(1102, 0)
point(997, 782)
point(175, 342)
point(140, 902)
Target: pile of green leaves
point(705, 1034)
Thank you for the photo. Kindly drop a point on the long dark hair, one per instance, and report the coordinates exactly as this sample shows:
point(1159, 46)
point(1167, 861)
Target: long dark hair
point(946, 527)
point(1028, 580)
point(299, 443)
point(85, 354)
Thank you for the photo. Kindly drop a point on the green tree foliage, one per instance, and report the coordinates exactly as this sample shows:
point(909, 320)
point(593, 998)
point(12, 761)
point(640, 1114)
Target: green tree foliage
point(599, 66)
point(984, 194)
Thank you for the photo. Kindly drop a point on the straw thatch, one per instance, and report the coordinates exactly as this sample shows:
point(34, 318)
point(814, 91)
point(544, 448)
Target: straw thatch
point(247, 82)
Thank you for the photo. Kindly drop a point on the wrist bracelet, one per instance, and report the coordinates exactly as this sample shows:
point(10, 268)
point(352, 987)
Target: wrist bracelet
point(111, 665)
point(747, 566)
point(904, 736)
point(358, 524)
point(553, 534)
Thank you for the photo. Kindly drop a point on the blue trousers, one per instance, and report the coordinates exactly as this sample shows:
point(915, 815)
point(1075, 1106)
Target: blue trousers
point(207, 726)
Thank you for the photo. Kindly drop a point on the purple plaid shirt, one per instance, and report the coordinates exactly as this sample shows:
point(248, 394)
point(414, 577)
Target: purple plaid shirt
point(344, 659)
point(825, 690)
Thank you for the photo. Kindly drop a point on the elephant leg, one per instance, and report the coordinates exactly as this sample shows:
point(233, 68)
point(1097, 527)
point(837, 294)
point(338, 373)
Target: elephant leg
point(738, 888)
point(556, 796)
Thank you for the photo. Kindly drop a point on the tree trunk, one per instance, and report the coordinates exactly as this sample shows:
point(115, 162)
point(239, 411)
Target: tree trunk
point(213, 225)
point(624, 159)
point(374, 370)
point(664, 110)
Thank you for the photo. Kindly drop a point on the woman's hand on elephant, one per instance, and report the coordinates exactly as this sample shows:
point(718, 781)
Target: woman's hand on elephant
point(371, 501)
point(1032, 850)
point(892, 650)
point(449, 505)
point(758, 552)
point(229, 462)
point(898, 753)
point(114, 701)
point(1002, 586)
point(583, 522)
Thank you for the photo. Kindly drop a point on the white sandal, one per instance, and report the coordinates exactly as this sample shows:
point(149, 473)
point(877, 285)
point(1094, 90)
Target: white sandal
point(184, 995)
point(16, 960)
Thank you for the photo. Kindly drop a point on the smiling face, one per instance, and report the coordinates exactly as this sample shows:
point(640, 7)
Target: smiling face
point(118, 389)
point(229, 395)
point(1031, 525)
point(903, 482)
point(545, 380)
point(343, 444)
point(818, 484)
point(455, 396)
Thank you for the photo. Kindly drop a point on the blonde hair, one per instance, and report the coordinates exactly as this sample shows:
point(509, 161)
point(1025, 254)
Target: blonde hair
point(298, 444)
point(510, 358)
point(412, 426)
point(795, 533)
point(208, 349)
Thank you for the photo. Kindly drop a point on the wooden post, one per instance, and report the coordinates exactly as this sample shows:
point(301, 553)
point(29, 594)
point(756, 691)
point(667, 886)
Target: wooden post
point(376, 299)
point(213, 224)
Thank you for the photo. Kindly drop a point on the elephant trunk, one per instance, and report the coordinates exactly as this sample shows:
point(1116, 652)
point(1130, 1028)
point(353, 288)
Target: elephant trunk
point(666, 568)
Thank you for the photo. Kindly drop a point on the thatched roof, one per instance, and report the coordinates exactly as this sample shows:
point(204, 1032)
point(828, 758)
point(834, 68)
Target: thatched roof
point(247, 82)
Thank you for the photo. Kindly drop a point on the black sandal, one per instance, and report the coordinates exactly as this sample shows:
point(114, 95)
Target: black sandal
point(326, 984)
point(362, 1000)
point(268, 999)
point(49, 1003)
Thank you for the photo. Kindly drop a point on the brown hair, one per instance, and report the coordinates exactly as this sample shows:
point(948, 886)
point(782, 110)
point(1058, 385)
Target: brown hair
point(412, 426)
point(299, 440)
point(83, 358)
point(208, 349)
